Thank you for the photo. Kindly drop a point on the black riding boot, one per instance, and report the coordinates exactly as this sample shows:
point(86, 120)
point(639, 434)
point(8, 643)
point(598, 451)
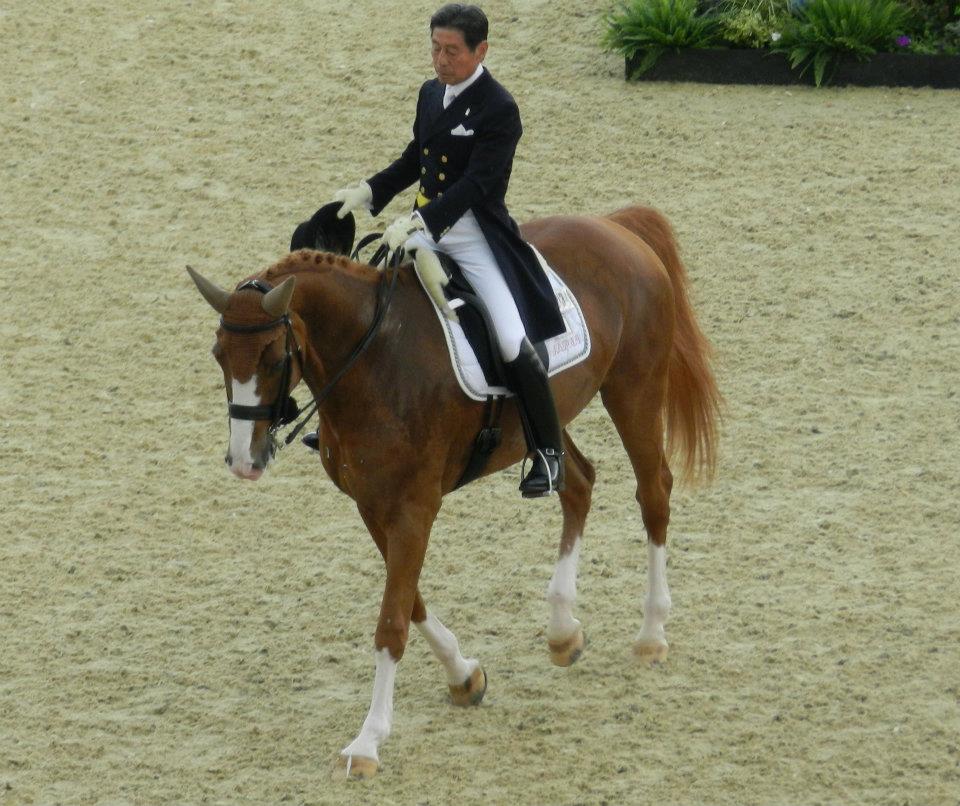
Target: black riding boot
point(541, 427)
point(311, 440)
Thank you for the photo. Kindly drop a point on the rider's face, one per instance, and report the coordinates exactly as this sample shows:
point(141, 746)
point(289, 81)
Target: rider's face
point(452, 58)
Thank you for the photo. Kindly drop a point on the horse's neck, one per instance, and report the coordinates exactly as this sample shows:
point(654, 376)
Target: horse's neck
point(337, 307)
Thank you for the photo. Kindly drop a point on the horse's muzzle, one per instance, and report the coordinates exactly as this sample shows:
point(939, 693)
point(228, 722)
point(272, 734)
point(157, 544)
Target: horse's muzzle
point(245, 470)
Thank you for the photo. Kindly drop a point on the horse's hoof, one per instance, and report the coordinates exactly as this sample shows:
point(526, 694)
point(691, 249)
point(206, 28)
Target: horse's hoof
point(568, 651)
point(650, 653)
point(356, 768)
point(472, 690)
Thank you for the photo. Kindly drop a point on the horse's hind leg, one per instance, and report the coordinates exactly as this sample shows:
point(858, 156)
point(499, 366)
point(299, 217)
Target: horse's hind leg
point(636, 412)
point(564, 633)
point(465, 676)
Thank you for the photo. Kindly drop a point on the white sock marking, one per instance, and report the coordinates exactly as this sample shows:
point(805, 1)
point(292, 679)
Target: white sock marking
point(377, 725)
point(445, 646)
point(562, 594)
point(656, 607)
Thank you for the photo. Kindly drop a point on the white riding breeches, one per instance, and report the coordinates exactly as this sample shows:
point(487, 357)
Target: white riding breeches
point(464, 242)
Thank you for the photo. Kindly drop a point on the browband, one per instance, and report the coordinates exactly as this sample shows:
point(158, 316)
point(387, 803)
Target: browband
point(263, 287)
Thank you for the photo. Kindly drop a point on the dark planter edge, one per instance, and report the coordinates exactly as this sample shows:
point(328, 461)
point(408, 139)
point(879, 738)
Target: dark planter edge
point(758, 66)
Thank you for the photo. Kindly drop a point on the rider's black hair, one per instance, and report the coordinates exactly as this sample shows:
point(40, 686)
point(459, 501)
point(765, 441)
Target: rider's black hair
point(468, 20)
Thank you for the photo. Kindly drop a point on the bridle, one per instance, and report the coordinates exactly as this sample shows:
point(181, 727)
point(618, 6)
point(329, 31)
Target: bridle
point(284, 409)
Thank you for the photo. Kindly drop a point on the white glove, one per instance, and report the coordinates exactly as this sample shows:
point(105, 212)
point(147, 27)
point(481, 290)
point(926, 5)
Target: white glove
point(397, 233)
point(353, 197)
point(434, 279)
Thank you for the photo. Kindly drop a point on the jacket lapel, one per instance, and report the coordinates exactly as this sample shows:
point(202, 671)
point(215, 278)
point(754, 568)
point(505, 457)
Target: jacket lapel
point(431, 109)
point(449, 117)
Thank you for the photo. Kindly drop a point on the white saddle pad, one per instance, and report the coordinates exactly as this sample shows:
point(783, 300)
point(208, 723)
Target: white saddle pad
point(565, 350)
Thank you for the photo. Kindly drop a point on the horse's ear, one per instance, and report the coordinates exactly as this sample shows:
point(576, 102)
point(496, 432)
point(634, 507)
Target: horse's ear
point(212, 293)
point(276, 302)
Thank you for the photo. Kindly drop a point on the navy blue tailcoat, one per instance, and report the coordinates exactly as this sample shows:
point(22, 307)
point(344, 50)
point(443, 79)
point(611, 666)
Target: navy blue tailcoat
point(462, 156)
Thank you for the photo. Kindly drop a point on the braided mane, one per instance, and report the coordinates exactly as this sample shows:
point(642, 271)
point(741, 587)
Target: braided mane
point(309, 260)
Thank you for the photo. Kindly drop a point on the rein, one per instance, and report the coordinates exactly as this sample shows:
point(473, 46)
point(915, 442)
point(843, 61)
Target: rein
point(384, 297)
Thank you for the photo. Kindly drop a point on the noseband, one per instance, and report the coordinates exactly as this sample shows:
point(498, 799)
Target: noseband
point(284, 408)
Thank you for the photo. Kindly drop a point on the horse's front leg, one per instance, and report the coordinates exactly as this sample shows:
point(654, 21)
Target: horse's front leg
point(361, 758)
point(401, 534)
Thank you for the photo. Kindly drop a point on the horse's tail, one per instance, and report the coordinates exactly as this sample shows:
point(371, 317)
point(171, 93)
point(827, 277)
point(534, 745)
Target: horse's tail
point(693, 399)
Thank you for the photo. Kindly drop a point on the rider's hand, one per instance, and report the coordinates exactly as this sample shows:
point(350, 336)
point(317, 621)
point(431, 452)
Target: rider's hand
point(397, 233)
point(353, 197)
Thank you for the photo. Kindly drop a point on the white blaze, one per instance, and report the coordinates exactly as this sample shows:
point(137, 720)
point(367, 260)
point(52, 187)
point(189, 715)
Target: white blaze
point(241, 431)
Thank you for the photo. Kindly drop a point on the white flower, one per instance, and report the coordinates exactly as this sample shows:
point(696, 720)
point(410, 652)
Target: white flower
point(775, 36)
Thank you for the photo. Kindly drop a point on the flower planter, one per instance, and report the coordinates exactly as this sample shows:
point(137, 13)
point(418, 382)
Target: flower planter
point(736, 66)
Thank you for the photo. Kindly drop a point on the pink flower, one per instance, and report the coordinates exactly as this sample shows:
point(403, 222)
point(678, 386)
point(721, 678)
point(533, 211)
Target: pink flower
point(903, 41)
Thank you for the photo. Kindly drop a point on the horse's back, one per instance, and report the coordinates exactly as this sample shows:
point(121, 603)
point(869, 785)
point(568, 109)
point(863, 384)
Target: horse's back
point(608, 263)
point(623, 243)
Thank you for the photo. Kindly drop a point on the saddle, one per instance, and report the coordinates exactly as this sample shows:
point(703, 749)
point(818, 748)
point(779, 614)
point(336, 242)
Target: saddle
point(474, 353)
point(476, 323)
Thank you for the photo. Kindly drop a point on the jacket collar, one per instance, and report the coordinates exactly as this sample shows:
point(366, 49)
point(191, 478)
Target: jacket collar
point(464, 85)
point(446, 118)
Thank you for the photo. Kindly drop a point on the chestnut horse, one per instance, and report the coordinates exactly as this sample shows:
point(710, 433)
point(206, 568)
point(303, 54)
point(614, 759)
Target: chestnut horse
point(396, 430)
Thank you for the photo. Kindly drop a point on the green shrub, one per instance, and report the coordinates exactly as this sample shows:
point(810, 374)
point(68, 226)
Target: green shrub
point(825, 30)
point(935, 26)
point(765, 9)
point(751, 23)
point(745, 29)
point(933, 15)
point(655, 26)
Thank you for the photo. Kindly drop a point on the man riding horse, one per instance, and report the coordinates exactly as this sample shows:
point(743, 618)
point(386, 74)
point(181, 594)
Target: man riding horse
point(465, 134)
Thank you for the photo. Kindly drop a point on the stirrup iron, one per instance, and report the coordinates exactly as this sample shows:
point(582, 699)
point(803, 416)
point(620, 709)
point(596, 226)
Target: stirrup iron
point(546, 475)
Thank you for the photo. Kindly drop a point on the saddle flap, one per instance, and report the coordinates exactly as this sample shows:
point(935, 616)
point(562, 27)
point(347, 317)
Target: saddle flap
point(474, 353)
point(475, 321)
